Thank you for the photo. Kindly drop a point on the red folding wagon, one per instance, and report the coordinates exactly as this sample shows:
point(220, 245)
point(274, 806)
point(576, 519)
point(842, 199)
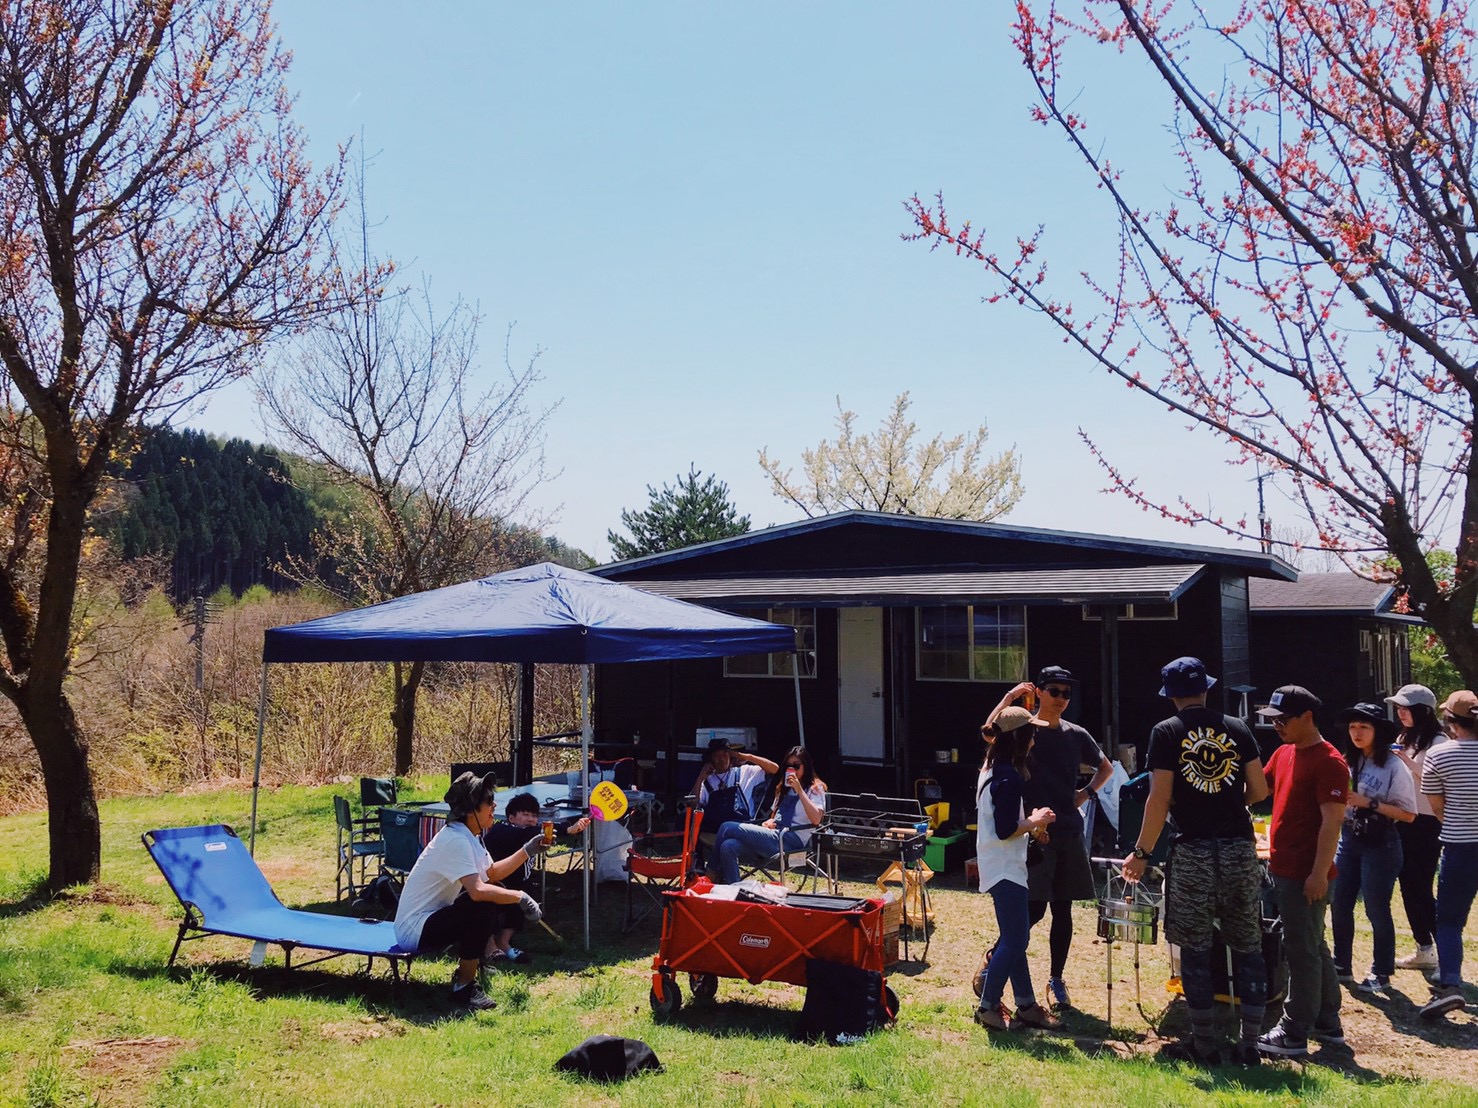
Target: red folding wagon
point(711, 938)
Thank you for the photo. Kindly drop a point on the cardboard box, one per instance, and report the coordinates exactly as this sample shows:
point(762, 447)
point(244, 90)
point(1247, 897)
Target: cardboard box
point(947, 852)
point(890, 949)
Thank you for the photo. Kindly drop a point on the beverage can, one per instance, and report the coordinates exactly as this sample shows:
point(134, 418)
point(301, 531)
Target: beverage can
point(548, 828)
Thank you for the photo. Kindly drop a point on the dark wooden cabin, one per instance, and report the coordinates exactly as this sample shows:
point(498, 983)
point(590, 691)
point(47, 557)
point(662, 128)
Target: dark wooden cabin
point(1336, 634)
point(913, 628)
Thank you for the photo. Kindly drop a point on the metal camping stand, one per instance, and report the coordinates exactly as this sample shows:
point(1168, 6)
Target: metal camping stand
point(1128, 912)
point(870, 826)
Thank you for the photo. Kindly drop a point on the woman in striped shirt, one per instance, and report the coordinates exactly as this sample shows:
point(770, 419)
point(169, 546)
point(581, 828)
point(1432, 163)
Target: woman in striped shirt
point(1450, 782)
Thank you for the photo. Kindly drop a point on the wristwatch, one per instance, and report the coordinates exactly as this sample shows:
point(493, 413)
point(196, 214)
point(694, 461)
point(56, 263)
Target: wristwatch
point(1374, 803)
point(1142, 854)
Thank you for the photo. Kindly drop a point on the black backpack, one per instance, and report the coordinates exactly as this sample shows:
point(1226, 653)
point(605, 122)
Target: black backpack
point(844, 1003)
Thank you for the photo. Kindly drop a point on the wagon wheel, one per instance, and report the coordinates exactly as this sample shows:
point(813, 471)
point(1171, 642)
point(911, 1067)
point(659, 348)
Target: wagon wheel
point(890, 1003)
point(671, 999)
point(704, 985)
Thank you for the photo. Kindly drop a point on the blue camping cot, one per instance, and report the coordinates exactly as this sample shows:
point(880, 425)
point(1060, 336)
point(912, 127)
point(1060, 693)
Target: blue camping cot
point(223, 892)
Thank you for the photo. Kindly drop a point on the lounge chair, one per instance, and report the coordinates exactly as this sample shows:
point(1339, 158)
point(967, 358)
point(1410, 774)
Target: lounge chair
point(223, 892)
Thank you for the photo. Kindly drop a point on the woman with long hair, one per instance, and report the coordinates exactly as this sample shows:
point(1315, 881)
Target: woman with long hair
point(1368, 860)
point(1416, 712)
point(1002, 831)
point(798, 805)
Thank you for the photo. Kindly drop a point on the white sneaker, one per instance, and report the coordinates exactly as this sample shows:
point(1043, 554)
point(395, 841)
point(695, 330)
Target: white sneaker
point(1424, 958)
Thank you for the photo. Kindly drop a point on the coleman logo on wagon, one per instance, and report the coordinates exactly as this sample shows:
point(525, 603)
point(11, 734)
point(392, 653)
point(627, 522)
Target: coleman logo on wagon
point(759, 942)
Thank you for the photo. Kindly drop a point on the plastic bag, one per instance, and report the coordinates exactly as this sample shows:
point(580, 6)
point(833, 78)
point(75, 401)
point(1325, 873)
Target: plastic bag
point(1108, 796)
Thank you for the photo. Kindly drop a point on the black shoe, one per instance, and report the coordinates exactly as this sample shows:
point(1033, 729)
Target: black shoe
point(1282, 1043)
point(1187, 1051)
point(1333, 1035)
point(1246, 1054)
point(472, 998)
point(1445, 998)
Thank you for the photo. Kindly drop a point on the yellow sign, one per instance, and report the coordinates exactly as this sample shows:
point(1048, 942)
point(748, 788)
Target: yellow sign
point(607, 801)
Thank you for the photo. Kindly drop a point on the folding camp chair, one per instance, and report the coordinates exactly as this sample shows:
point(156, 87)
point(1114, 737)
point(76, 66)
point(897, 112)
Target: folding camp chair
point(223, 892)
point(356, 846)
point(657, 862)
point(374, 794)
point(803, 867)
point(400, 831)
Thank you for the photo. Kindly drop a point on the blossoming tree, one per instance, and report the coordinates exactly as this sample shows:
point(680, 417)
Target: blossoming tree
point(1309, 291)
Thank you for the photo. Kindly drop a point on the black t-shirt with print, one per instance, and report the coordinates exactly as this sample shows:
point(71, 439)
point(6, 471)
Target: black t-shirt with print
point(1053, 764)
point(1208, 754)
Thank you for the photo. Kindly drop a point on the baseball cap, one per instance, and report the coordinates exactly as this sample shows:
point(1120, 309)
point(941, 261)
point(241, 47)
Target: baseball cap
point(1409, 695)
point(1185, 677)
point(1462, 704)
point(1053, 673)
point(1009, 719)
point(1290, 700)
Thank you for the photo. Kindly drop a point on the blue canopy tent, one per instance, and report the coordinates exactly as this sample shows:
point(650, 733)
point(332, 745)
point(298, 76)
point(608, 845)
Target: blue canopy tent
point(542, 613)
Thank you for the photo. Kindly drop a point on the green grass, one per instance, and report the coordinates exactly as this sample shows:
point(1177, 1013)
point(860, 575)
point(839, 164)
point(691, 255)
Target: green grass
point(88, 1013)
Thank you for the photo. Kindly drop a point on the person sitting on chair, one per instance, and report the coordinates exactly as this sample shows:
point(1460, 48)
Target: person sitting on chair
point(452, 898)
point(505, 838)
point(799, 802)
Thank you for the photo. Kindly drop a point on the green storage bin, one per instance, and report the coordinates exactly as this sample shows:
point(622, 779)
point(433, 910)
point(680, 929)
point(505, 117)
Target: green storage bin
point(947, 852)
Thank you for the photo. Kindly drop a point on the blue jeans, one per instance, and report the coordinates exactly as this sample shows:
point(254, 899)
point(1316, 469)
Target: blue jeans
point(1009, 960)
point(1371, 872)
point(749, 842)
point(1457, 885)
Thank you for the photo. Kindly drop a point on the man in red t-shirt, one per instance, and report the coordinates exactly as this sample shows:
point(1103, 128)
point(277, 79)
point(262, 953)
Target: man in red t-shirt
point(1310, 782)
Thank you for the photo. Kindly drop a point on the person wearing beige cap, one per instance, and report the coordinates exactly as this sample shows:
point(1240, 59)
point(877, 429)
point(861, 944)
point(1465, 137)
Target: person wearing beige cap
point(1450, 783)
point(1420, 730)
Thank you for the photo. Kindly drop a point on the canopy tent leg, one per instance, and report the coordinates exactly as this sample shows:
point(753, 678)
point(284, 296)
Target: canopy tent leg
point(800, 722)
point(585, 737)
point(256, 777)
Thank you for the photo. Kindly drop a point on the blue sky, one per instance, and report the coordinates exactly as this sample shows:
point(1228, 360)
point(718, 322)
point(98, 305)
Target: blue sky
point(694, 211)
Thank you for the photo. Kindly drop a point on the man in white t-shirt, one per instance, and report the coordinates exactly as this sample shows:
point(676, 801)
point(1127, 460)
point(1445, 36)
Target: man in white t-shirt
point(452, 899)
point(727, 784)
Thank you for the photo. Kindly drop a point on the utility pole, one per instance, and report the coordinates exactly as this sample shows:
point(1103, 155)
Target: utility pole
point(205, 612)
point(1264, 526)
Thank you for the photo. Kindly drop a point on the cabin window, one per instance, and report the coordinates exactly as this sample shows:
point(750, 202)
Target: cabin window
point(780, 665)
point(980, 642)
point(1136, 613)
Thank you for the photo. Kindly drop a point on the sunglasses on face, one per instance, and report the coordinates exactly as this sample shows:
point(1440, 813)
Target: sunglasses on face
point(1059, 693)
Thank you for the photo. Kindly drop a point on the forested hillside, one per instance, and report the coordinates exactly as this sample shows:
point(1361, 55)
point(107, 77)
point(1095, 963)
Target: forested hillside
point(232, 514)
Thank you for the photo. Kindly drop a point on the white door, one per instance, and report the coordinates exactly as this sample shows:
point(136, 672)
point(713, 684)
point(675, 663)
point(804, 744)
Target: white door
point(860, 682)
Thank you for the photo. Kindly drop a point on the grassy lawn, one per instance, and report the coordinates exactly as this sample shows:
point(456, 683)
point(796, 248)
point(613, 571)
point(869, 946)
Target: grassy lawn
point(88, 1013)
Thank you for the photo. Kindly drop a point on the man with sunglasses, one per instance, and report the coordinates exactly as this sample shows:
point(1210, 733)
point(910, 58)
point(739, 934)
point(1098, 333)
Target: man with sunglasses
point(1064, 874)
point(1310, 782)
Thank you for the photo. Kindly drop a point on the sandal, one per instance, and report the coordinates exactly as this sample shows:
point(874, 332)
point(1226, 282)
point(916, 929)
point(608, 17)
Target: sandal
point(1034, 1015)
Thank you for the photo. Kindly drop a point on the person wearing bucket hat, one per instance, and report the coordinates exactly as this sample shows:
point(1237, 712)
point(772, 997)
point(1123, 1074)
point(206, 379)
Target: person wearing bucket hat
point(1450, 781)
point(1369, 855)
point(1416, 715)
point(451, 896)
point(1310, 782)
point(1206, 769)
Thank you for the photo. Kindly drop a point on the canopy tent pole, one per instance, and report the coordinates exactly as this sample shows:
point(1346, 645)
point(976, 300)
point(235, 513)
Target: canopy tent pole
point(585, 737)
point(800, 723)
point(256, 777)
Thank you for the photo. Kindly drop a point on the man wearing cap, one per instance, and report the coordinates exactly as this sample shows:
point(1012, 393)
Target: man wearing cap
point(1450, 782)
point(1206, 770)
point(1064, 874)
point(726, 786)
point(1310, 782)
point(451, 897)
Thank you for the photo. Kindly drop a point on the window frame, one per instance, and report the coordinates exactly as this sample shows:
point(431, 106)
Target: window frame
point(801, 654)
point(1127, 615)
point(970, 650)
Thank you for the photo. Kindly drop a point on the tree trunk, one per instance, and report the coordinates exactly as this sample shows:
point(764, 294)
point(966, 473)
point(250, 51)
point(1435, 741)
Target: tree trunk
point(407, 681)
point(73, 828)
